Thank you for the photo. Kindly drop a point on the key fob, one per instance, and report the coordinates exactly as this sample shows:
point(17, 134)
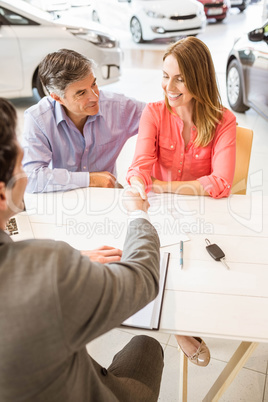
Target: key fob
point(215, 252)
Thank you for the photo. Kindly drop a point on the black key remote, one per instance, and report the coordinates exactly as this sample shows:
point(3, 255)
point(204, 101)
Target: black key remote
point(215, 252)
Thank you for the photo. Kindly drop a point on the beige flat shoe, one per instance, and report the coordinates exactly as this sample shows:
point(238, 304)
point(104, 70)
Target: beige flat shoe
point(202, 356)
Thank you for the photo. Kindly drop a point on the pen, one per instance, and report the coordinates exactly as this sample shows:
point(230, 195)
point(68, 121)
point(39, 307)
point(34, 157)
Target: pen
point(181, 254)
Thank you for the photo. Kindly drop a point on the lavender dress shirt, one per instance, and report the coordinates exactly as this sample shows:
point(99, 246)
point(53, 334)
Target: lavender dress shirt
point(58, 158)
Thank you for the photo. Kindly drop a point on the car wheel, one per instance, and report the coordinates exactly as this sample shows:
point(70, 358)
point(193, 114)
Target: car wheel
point(234, 88)
point(136, 31)
point(42, 91)
point(95, 17)
point(242, 8)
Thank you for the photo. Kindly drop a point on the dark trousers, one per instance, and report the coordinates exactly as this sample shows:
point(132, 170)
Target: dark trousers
point(136, 371)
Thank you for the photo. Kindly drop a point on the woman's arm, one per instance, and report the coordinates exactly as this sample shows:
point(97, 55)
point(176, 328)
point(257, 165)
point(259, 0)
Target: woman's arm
point(146, 149)
point(219, 183)
point(192, 187)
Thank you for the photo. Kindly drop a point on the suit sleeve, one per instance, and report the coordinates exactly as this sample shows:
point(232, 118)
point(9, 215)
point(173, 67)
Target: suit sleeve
point(94, 298)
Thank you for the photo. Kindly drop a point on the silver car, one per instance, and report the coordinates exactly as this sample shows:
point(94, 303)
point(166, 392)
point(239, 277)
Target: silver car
point(28, 34)
point(247, 72)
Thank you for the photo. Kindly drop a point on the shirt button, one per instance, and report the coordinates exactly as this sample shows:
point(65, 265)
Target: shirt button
point(196, 156)
point(84, 167)
point(179, 171)
point(171, 146)
point(181, 154)
point(228, 186)
point(193, 128)
point(180, 163)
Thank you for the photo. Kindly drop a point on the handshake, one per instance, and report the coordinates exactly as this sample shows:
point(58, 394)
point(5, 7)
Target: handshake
point(132, 201)
point(135, 198)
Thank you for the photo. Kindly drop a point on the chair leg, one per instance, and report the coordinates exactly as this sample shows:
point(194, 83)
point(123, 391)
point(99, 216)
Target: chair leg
point(183, 377)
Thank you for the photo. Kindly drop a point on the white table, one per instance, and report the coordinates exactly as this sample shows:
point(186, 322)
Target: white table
point(203, 299)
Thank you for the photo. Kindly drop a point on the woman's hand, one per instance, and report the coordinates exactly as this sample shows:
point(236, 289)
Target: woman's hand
point(158, 186)
point(104, 254)
point(138, 187)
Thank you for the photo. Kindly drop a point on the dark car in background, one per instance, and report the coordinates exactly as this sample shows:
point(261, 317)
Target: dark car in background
point(240, 4)
point(247, 72)
point(216, 9)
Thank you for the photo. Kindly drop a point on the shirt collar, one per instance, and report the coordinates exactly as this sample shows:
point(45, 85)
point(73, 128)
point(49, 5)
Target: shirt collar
point(60, 113)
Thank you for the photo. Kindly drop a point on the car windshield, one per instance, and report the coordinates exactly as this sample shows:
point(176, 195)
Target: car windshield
point(29, 10)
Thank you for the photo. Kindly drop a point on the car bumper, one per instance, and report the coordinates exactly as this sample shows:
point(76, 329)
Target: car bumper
point(216, 12)
point(109, 66)
point(165, 28)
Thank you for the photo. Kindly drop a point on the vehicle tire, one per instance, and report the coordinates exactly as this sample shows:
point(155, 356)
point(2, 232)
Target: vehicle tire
point(242, 8)
point(234, 88)
point(39, 86)
point(136, 31)
point(95, 17)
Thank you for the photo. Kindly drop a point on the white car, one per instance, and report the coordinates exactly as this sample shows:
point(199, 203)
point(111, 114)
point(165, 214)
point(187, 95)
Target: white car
point(28, 34)
point(151, 19)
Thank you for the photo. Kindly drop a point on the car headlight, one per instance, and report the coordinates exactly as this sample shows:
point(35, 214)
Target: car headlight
point(200, 11)
point(95, 37)
point(153, 14)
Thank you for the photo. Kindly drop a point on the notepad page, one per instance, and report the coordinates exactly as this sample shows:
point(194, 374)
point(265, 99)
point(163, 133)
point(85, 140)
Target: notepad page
point(148, 317)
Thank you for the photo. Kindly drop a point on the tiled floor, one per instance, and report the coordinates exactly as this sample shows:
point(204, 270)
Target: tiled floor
point(141, 78)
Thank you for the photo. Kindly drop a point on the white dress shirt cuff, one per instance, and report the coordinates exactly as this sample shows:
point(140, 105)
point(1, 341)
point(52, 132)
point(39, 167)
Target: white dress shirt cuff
point(138, 214)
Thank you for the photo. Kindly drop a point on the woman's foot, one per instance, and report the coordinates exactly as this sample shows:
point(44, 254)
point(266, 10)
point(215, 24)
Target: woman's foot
point(194, 349)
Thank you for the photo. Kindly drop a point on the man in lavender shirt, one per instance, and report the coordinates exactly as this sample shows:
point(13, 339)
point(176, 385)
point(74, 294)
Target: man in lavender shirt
point(73, 137)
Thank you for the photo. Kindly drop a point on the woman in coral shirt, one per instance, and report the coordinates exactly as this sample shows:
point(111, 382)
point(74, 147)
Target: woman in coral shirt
point(186, 143)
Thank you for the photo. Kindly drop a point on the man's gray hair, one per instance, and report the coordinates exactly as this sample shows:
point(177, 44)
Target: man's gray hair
point(62, 68)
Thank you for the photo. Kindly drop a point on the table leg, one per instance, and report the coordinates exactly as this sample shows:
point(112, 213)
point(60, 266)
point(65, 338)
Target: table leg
point(183, 377)
point(237, 361)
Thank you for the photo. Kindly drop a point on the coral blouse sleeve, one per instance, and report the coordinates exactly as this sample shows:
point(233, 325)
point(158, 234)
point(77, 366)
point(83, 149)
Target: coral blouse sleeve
point(146, 147)
point(218, 184)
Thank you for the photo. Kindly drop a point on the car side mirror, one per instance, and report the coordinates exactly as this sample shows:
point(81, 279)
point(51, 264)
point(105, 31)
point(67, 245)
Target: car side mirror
point(257, 35)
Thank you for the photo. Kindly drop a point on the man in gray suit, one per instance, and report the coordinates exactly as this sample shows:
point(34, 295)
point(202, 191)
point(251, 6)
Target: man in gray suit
point(53, 301)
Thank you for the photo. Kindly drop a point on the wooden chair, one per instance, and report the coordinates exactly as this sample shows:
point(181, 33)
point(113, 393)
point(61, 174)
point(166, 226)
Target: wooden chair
point(244, 138)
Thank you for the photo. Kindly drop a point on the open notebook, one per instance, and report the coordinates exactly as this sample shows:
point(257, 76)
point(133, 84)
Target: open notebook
point(149, 316)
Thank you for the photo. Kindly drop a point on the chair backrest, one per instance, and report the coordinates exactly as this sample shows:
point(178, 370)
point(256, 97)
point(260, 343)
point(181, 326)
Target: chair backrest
point(244, 138)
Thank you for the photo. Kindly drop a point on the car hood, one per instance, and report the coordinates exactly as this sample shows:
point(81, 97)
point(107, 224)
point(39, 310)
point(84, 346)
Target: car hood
point(45, 18)
point(169, 7)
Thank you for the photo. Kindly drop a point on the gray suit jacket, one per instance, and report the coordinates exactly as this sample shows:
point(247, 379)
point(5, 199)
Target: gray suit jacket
point(53, 301)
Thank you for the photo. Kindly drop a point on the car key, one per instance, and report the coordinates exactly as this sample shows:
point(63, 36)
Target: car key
point(216, 252)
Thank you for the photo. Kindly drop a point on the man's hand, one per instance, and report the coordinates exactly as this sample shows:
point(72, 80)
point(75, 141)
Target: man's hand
point(104, 254)
point(134, 202)
point(138, 187)
point(102, 179)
